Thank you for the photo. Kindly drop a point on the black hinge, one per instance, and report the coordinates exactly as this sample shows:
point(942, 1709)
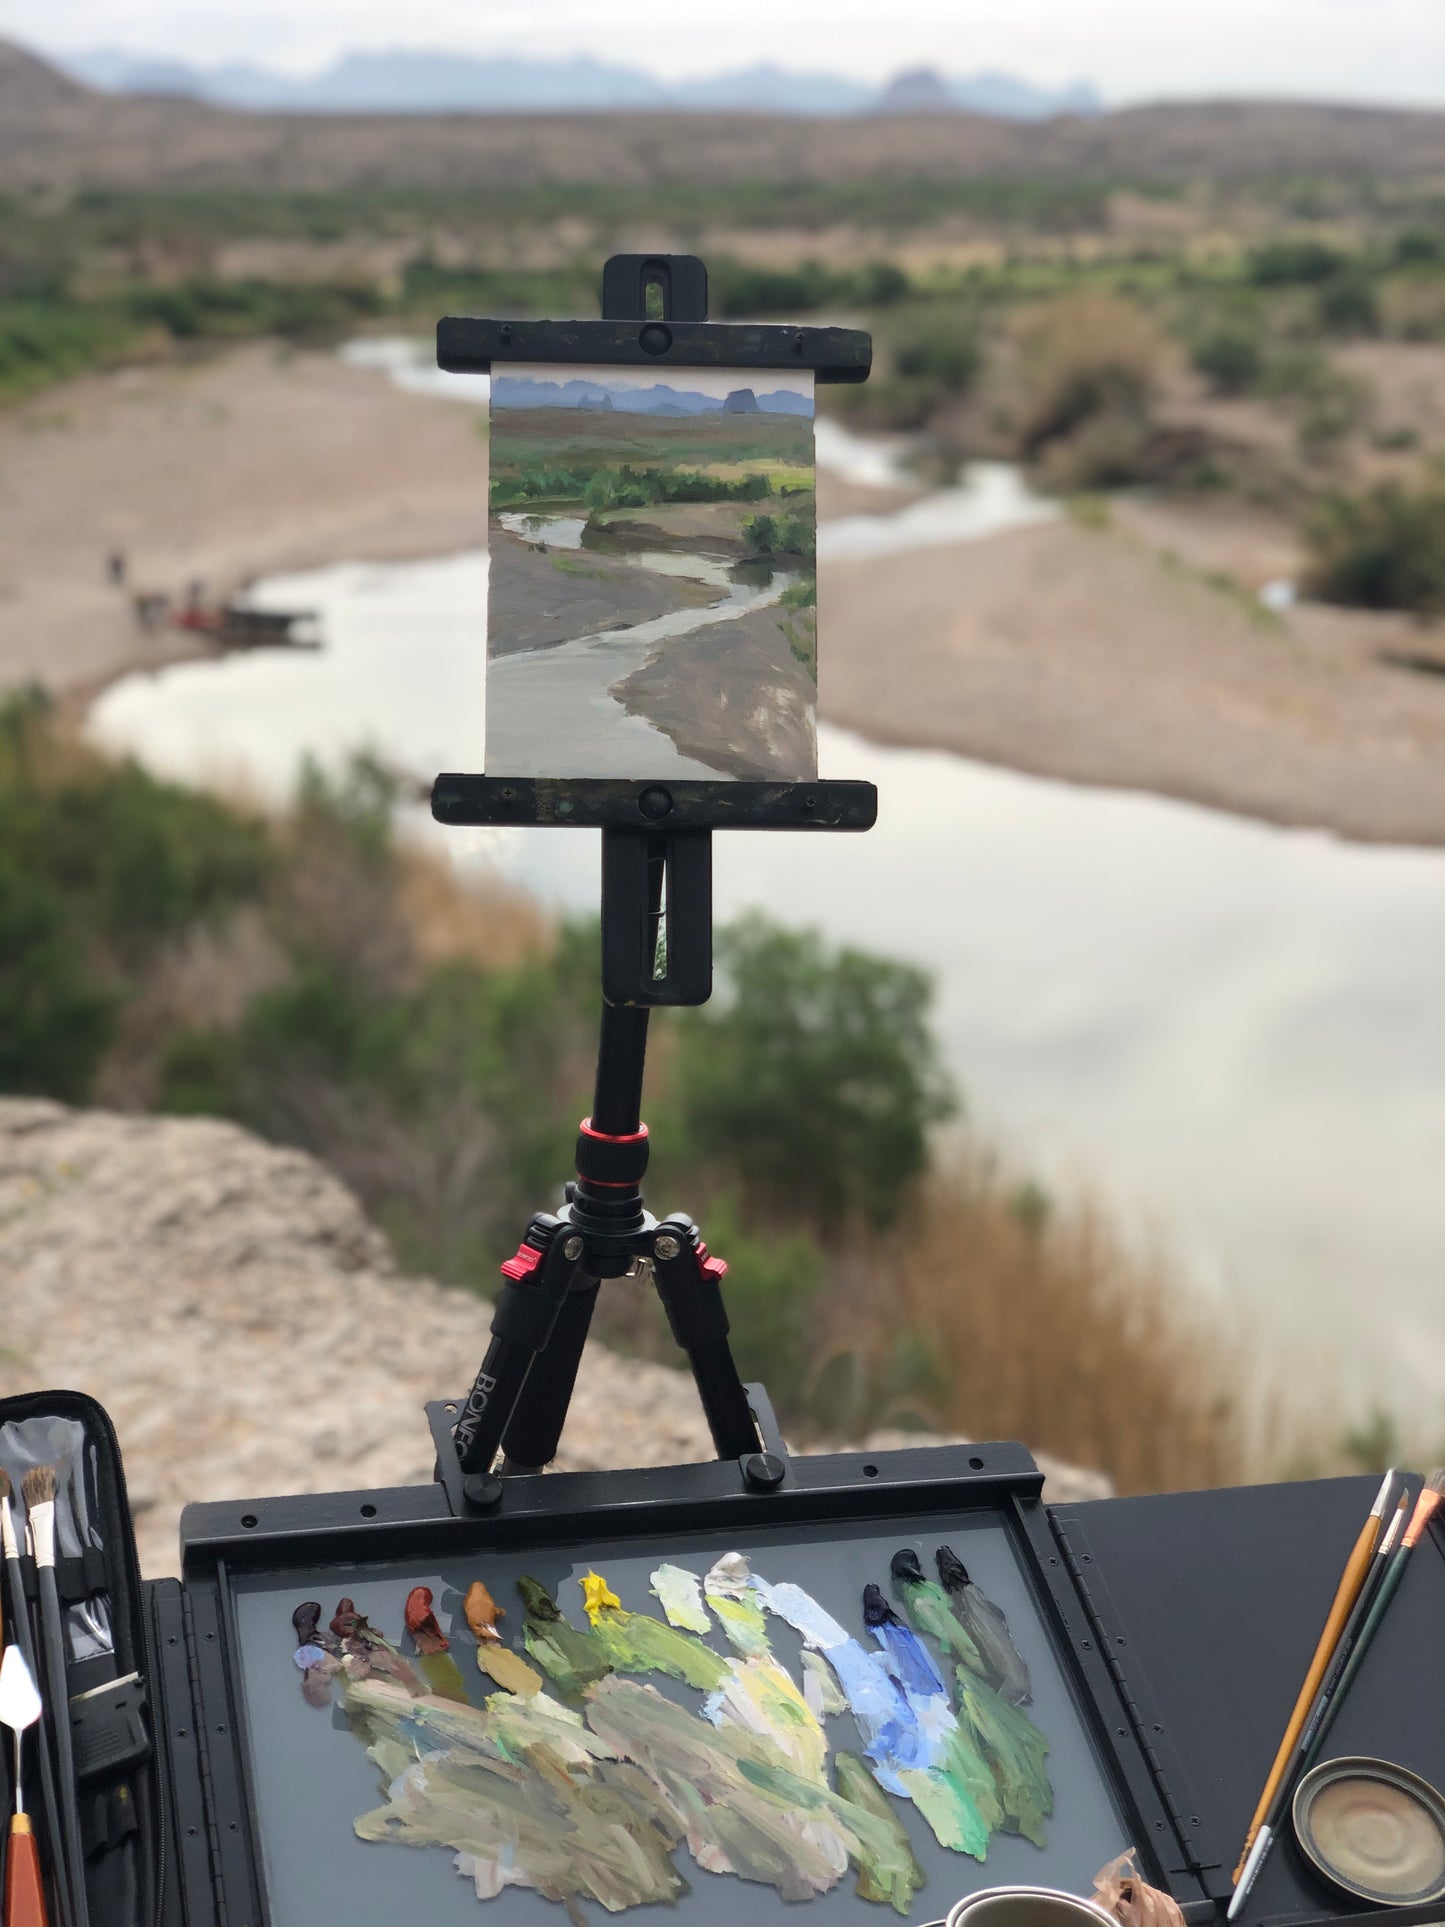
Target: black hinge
point(203, 1765)
point(1201, 1856)
point(182, 1796)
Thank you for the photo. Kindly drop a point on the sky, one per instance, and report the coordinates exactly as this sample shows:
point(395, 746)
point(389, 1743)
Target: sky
point(1366, 50)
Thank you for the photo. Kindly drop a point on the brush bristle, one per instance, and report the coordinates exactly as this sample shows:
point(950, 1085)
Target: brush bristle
point(1436, 1480)
point(5, 1486)
point(38, 1485)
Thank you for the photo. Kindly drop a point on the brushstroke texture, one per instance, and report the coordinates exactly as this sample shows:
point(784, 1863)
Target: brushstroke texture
point(744, 1810)
point(929, 1609)
point(365, 1651)
point(950, 1751)
point(894, 1742)
point(821, 1690)
point(1004, 1668)
point(728, 1589)
point(680, 1593)
point(1003, 1735)
point(893, 1876)
point(570, 1657)
point(637, 1643)
point(532, 1801)
point(1015, 1750)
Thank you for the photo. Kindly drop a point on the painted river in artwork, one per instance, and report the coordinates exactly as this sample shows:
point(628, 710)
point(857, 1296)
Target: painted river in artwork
point(565, 693)
point(1235, 1032)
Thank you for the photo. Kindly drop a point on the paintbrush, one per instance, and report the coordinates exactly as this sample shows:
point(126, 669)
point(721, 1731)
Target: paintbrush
point(1346, 1593)
point(38, 1487)
point(20, 1708)
point(1425, 1508)
point(19, 1622)
point(1289, 1778)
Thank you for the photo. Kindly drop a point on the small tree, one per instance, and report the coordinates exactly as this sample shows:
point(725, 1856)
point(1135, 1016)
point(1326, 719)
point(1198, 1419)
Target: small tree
point(814, 1077)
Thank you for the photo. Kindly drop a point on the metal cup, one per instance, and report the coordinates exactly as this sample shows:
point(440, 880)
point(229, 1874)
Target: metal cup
point(1027, 1907)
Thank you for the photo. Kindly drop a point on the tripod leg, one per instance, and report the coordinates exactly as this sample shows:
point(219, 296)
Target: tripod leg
point(535, 1427)
point(539, 1279)
point(688, 1285)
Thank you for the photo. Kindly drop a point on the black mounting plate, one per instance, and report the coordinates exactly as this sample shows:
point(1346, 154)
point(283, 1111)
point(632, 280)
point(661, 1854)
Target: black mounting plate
point(471, 345)
point(591, 803)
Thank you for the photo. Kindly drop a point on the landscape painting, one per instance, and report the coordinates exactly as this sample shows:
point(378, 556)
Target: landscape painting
point(653, 596)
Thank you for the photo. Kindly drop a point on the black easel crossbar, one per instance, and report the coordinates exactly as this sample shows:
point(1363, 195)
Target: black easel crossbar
point(470, 346)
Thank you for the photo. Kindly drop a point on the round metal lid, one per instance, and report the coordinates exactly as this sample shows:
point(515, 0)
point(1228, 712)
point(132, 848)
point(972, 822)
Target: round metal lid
point(1374, 1829)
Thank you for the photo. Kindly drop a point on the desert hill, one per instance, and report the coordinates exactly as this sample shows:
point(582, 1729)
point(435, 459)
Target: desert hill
point(56, 133)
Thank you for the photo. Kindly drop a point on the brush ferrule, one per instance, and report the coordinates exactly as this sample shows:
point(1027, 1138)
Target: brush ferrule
point(42, 1532)
point(8, 1540)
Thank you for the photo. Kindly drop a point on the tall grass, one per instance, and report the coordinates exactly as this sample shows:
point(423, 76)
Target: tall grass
point(1001, 1314)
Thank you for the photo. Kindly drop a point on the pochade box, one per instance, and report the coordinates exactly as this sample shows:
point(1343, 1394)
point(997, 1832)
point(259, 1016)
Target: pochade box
point(686, 1697)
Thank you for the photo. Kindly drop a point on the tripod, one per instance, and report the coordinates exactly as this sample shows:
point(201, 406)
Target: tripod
point(656, 949)
point(519, 1399)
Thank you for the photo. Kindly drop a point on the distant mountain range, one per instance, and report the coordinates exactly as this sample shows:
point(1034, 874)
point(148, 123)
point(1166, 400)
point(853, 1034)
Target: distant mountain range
point(408, 81)
point(520, 391)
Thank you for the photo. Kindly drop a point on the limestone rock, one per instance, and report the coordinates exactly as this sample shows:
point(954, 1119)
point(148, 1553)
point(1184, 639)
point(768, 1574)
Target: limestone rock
point(247, 1328)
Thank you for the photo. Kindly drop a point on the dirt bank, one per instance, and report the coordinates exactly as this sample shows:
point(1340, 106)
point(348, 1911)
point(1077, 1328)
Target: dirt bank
point(543, 597)
point(242, 465)
point(733, 695)
point(1093, 656)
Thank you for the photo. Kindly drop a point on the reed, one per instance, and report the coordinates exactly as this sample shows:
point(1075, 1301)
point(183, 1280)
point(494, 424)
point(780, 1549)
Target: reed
point(1044, 1323)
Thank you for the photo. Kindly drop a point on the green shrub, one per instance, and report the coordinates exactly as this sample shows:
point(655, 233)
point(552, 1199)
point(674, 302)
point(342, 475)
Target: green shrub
point(1230, 359)
point(812, 1077)
point(56, 1018)
point(791, 533)
point(943, 350)
point(1419, 247)
point(1293, 263)
point(1384, 549)
point(1347, 305)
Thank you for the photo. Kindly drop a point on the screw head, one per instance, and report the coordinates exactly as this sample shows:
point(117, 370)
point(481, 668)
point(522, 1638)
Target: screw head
point(667, 1246)
point(764, 1470)
point(572, 1250)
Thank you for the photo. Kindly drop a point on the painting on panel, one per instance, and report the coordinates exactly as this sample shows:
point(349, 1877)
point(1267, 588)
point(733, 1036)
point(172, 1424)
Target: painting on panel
point(653, 600)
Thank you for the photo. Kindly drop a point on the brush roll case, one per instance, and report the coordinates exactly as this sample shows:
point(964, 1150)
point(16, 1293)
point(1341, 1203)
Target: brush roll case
point(118, 1796)
point(1174, 1629)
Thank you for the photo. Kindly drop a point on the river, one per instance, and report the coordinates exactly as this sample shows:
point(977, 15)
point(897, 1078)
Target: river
point(1236, 1033)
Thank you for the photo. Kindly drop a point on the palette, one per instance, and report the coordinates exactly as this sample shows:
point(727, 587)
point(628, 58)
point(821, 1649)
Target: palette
point(770, 1720)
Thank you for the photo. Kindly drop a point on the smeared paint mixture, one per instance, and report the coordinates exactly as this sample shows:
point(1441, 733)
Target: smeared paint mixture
point(581, 1781)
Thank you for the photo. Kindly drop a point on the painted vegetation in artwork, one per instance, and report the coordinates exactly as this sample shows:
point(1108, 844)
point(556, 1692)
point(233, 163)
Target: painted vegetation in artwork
point(653, 600)
point(576, 1777)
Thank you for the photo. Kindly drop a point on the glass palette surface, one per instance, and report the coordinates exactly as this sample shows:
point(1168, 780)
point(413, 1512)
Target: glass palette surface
point(312, 1779)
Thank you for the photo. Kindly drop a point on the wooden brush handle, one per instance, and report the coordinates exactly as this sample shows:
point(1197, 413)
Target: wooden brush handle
point(24, 1889)
point(1347, 1592)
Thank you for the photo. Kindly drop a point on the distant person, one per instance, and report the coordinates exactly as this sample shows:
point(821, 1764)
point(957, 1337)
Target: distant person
point(115, 568)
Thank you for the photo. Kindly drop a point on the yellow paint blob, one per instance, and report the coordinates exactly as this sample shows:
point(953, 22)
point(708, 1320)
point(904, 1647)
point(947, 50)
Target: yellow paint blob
point(596, 1593)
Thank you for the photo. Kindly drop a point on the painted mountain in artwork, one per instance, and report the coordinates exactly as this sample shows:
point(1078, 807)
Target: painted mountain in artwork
point(522, 391)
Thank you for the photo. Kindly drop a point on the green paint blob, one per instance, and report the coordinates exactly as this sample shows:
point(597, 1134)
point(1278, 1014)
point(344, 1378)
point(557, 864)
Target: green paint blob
point(1015, 1750)
point(887, 1866)
point(929, 1609)
point(570, 1657)
point(634, 1643)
